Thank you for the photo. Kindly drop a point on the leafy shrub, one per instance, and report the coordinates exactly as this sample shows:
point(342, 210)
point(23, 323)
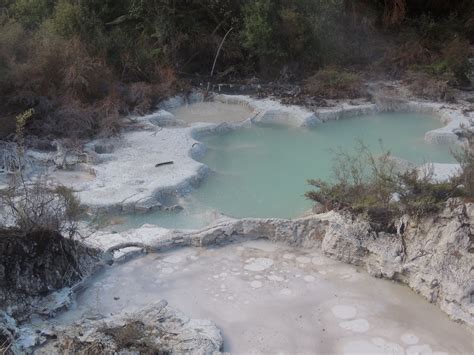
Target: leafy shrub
point(281, 32)
point(66, 19)
point(31, 13)
point(361, 180)
point(258, 31)
point(419, 195)
point(334, 83)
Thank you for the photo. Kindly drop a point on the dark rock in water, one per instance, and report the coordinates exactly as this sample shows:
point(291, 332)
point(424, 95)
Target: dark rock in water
point(38, 263)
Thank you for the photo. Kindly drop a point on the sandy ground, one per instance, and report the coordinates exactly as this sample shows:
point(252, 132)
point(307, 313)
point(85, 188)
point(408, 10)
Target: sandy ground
point(213, 112)
point(270, 298)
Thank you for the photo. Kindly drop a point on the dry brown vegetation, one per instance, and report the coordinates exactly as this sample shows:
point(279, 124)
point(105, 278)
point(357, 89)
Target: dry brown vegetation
point(83, 64)
point(334, 83)
point(74, 94)
point(131, 337)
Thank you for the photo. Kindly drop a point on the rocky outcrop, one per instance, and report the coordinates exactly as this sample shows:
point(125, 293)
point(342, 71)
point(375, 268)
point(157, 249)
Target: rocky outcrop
point(433, 256)
point(34, 265)
point(157, 329)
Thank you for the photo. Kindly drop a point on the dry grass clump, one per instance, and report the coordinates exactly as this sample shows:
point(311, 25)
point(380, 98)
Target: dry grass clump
point(427, 86)
point(334, 84)
point(131, 337)
point(69, 345)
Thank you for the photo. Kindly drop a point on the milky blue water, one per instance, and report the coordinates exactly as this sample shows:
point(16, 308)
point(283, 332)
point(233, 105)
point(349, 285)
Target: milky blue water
point(263, 171)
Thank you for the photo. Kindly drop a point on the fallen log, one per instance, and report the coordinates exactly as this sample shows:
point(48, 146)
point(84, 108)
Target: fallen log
point(164, 163)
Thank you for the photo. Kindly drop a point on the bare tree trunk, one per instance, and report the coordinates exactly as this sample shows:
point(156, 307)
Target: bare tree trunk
point(218, 51)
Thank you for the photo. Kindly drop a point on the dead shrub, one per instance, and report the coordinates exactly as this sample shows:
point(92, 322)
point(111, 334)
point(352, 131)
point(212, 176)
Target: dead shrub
point(167, 81)
point(334, 84)
point(72, 92)
point(36, 206)
point(127, 336)
point(84, 77)
point(399, 58)
point(68, 345)
point(70, 119)
point(9, 158)
point(427, 86)
point(455, 54)
point(134, 336)
point(140, 97)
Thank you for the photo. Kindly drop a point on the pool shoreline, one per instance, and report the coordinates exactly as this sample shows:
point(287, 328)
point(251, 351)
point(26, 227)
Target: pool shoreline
point(138, 151)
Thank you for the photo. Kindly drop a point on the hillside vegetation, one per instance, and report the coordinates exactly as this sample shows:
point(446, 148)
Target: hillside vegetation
point(80, 64)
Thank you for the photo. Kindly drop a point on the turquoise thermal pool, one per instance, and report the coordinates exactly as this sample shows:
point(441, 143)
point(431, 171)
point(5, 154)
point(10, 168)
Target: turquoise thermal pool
point(262, 171)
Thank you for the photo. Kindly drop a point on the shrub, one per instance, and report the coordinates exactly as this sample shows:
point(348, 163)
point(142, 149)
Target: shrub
point(36, 206)
point(455, 56)
point(361, 180)
point(419, 195)
point(465, 158)
point(31, 13)
point(66, 19)
point(371, 185)
point(428, 86)
point(334, 83)
point(258, 32)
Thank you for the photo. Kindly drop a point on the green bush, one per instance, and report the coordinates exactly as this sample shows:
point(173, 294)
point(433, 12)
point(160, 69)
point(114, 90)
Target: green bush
point(31, 13)
point(258, 32)
point(67, 18)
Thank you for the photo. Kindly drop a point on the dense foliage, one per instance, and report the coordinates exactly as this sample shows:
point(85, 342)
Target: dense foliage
point(82, 63)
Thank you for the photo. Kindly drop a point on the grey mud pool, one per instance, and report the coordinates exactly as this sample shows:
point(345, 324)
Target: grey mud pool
point(271, 298)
